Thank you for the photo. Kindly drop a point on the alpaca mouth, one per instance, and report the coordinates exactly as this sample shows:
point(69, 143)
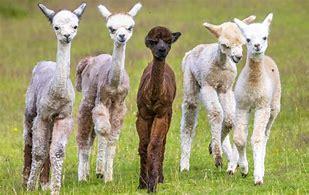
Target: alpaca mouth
point(235, 59)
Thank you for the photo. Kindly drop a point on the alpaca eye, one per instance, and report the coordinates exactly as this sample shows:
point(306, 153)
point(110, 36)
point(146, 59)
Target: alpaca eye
point(130, 28)
point(248, 40)
point(225, 46)
point(56, 28)
point(264, 38)
point(112, 30)
point(153, 42)
point(75, 27)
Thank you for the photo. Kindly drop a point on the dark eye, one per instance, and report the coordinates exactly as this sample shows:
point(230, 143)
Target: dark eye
point(153, 42)
point(112, 30)
point(264, 38)
point(75, 27)
point(225, 46)
point(130, 28)
point(56, 28)
point(248, 40)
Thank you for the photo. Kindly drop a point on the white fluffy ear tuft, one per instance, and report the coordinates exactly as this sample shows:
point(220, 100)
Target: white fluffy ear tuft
point(249, 19)
point(47, 12)
point(214, 29)
point(135, 9)
point(104, 11)
point(268, 19)
point(241, 25)
point(80, 10)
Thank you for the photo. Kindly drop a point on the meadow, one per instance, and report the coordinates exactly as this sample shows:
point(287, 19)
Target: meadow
point(26, 37)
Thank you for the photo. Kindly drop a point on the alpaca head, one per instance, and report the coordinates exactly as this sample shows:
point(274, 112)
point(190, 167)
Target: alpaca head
point(64, 22)
point(230, 38)
point(120, 25)
point(159, 40)
point(256, 35)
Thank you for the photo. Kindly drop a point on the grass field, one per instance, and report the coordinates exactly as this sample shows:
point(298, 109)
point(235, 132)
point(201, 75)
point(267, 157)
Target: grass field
point(26, 37)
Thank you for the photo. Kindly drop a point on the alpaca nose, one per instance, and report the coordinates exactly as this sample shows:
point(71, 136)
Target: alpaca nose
point(121, 36)
point(238, 57)
point(162, 50)
point(67, 36)
point(257, 46)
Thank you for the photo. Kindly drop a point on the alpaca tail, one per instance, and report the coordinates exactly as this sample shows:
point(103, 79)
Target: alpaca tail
point(80, 68)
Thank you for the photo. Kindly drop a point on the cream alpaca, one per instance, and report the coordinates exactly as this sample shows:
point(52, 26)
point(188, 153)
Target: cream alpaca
point(209, 73)
point(258, 88)
point(49, 102)
point(104, 83)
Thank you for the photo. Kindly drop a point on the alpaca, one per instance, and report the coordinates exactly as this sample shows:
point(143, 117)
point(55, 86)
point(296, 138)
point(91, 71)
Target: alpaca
point(49, 101)
point(154, 101)
point(104, 83)
point(209, 73)
point(258, 88)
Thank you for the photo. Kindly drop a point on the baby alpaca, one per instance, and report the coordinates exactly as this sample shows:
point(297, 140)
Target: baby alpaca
point(49, 101)
point(154, 101)
point(209, 73)
point(258, 88)
point(104, 83)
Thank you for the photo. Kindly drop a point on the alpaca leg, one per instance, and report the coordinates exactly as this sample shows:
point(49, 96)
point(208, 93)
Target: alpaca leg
point(240, 140)
point(154, 150)
point(161, 175)
point(39, 150)
point(84, 139)
point(215, 116)
point(117, 114)
point(102, 127)
point(258, 141)
point(143, 128)
point(44, 176)
point(27, 147)
point(61, 131)
point(188, 119)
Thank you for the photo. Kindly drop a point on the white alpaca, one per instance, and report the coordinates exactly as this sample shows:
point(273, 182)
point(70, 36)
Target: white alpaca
point(258, 88)
point(209, 73)
point(49, 102)
point(105, 84)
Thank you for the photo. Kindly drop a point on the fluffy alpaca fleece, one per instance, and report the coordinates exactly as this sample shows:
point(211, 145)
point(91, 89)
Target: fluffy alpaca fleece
point(154, 101)
point(104, 83)
point(258, 88)
point(209, 73)
point(49, 101)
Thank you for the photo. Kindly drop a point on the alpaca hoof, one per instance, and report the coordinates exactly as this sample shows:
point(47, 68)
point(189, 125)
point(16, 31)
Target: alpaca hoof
point(244, 175)
point(230, 172)
point(210, 149)
point(141, 186)
point(218, 161)
point(258, 183)
point(100, 175)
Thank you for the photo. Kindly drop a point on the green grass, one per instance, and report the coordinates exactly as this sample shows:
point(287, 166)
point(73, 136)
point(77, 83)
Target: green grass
point(28, 39)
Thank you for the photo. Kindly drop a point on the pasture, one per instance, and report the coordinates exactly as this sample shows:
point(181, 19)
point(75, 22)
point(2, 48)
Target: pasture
point(26, 37)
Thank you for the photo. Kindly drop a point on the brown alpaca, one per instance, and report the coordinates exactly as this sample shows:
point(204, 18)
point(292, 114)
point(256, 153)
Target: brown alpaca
point(154, 101)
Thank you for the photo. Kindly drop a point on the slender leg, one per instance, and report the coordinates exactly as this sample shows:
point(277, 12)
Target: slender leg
point(215, 116)
point(27, 147)
point(143, 128)
point(161, 175)
point(102, 127)
point(61, 131)
point(240, 140)
point(258, 141)
point(188, 119)
point(39, 150)
point(154, 150)
point(84, 138)
point(44, 176)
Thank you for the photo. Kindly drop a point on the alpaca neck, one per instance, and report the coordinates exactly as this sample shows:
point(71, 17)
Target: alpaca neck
point(255, 67)
point(157, 76)
point(117, 68)
point(62, 72)
point(221, 57)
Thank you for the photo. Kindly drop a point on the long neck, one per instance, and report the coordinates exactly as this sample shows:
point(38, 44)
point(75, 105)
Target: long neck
point(157, 76)
point(221, 57)
point(255, 67)
point(62, 72)
point(117, 68)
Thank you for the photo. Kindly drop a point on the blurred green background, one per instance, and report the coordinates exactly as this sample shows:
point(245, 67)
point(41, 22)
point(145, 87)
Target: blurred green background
point(26, 37)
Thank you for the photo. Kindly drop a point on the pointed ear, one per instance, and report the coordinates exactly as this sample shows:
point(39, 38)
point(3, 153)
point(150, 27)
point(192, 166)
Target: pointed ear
point(175, 36)
point(80, 10)
point(214, 29)
point(135, 9)
point(241, 25)
point(268, 19)
point(104, 11)
point(47, 12)
point(249, 19)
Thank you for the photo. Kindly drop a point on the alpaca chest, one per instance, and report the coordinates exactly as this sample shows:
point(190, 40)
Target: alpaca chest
point(220, 79)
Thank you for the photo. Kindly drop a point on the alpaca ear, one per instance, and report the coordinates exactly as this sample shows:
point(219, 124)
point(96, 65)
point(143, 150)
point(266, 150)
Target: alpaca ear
point(249, 19)
point(175, 36)
point(241, 25)
point(214, 29)
point(135, 9)
point(104, 11)
point(268, 19)
point(80, 10)
point(47, 12)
